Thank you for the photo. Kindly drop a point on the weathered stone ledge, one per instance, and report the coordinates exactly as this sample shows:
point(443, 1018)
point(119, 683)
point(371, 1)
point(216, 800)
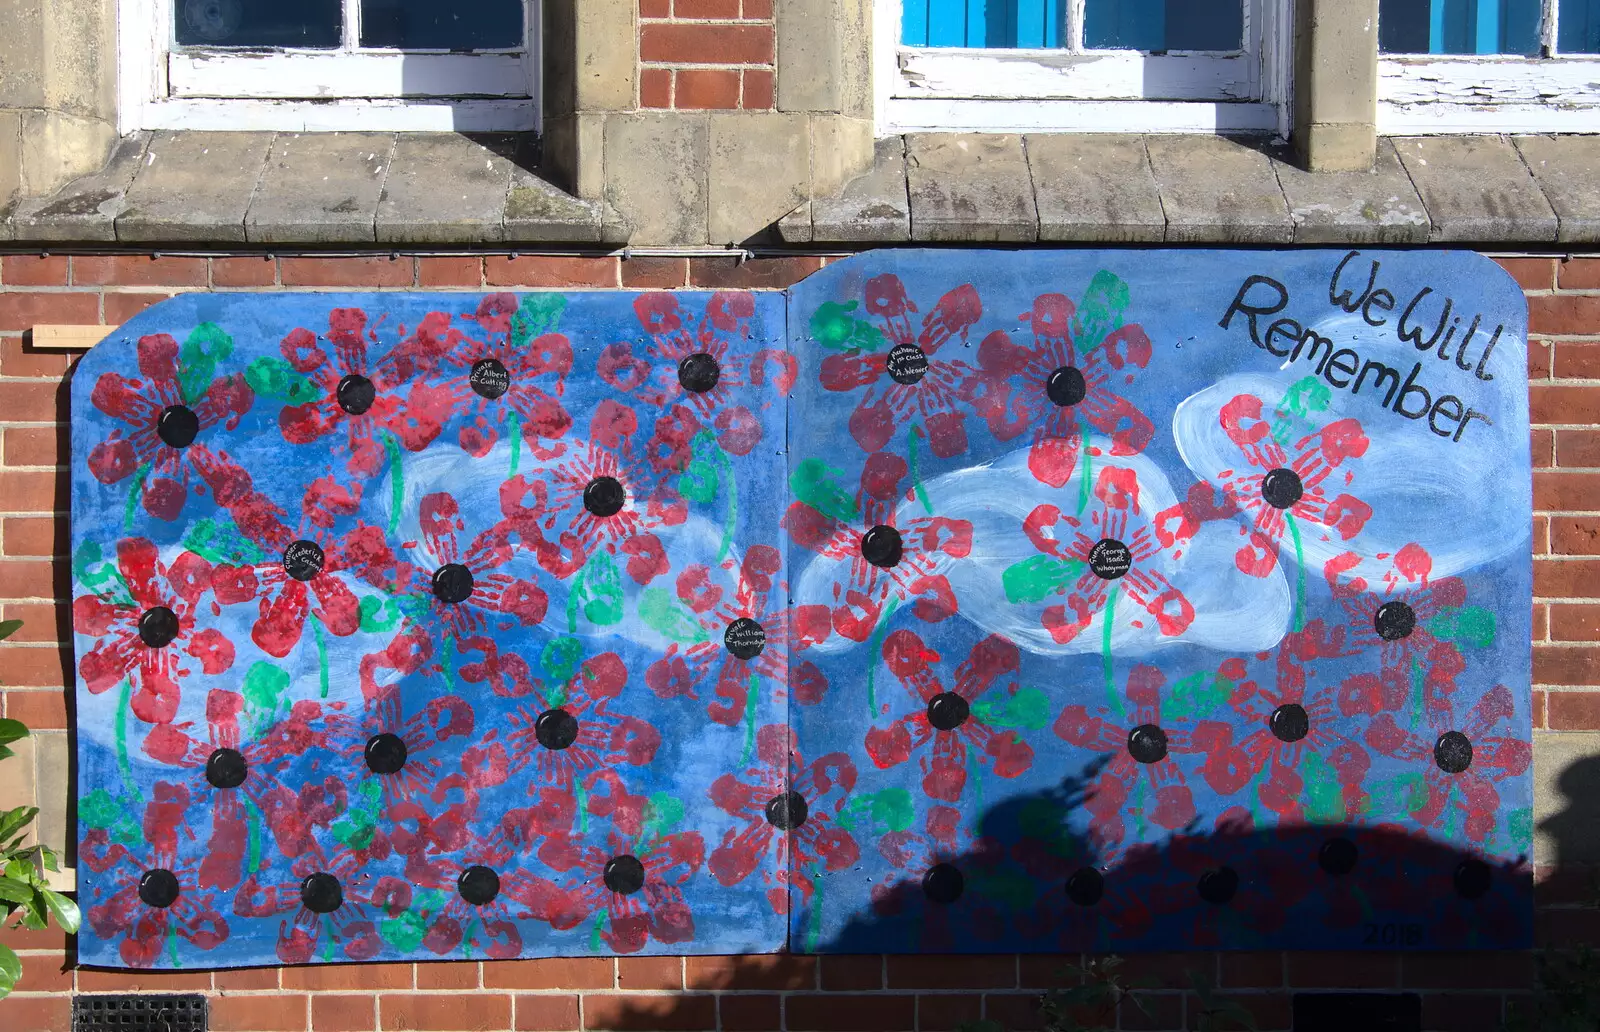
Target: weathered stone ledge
point(387, 189)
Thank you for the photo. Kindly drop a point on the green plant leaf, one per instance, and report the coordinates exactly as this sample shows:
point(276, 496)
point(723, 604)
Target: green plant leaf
point(65, 911)
point(15, 891)
point(13, 821)
point(8, 628)
point(10, 969)
point(12, 730)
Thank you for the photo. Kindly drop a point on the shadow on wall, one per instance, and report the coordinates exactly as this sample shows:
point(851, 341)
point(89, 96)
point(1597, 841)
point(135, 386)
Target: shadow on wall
point(1035, 883)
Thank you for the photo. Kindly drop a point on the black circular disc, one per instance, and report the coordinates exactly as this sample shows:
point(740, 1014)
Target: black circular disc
point(452, 583)
point(1110, 559)
point(882, 546)
point(158, 625)
point(321, 893)
point(1337, 856)
point(1394, 620)
point(1290, 722)
point(907, 364)
point(489, 378)
point(624, 874)
point(1281, 488)
point(1147, 743)
point(303, 560)
point(744, 638)
point(1066, 387)
point(787, 811)
point(1219, 885)
point(1453, 752)
point(355, 393)
point(556, 729)
point(604, 496)
point(948, 711)
point(1473, 878)
point(1086, 886)
point(698, 373)
point(177, 426)
point(158, 888)
point(478, 885)
point(385, 753)
point(226, 768)
point(943, 883)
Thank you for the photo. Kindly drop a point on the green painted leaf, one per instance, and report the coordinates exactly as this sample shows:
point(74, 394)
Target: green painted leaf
point(659, 609)
point(1519, 824)
point(378, 613)
point(1321, 796)
point(1102, 309)
point(1037, 577)
point(1195, 697)
point(219, 541)
point(265, 692)
point(598, 590)
point(405, 932)
point(1472, 626)
point(537, 315)
point(198, 358)
point(662, 813)
point(820, 486)
point(1028, 708)
point(835, 328)
point(273, 377)
point(90, 568)
point(559, 660)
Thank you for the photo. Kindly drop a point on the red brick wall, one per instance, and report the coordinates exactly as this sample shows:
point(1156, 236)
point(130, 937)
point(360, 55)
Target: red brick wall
point(1461, 992)
point(698, 54)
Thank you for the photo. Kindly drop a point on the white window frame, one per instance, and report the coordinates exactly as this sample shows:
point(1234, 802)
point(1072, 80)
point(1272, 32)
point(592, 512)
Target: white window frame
point(161, 85)
point(1427, 94)
point(1071, 89)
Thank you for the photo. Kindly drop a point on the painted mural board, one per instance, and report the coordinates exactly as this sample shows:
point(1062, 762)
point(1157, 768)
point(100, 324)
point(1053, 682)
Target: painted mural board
point(949, 601)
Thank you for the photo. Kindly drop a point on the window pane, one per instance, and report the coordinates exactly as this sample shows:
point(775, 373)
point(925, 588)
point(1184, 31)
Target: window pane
point(257, 23)
point(1459, 26)
point(982, 23)
point(1579, 27)
point(1164, 24)
point(442, 24)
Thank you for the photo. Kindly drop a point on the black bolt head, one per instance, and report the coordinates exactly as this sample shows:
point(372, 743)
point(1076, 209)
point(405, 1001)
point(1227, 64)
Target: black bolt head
point(698, 373)
point(907, 364)
point(1086, 886)
point(1147, 743)
point(226, 768)
point(321, 893)
point(1110, 559)
point(943, 883)
point(303, 560)
point(1219, 885)
point(744, 638)
point(1281, 488)
point(158, 625)
point(1066, 386)
point(604, 496)
point(489, 378)
point(1453, 752)
point(624, 874)
point(882, 547)
point(478, 885)
point(355, 394)
point(158, 888)
point(556, 729)
point(177, 426)
point(948, 711)
point(1394, 621)
point(787, 811)
point(452, 583)
point(385, 753)
point(1290, 722)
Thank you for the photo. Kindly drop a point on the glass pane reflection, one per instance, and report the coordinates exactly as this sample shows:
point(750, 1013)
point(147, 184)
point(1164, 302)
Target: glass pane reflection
point(442, 24)
point(257, 23)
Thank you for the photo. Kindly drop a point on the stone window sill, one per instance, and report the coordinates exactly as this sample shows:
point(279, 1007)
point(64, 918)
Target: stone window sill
point(381, 190)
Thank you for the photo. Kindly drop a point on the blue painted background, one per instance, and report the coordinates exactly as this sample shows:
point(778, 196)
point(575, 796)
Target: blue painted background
point(750, 501)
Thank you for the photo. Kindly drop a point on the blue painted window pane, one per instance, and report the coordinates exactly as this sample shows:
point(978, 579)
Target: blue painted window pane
point(982, 23)
point(254, 23)
point(1459, 26)
point(441, 24)
point(1157, 25)
point(1579, 31)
